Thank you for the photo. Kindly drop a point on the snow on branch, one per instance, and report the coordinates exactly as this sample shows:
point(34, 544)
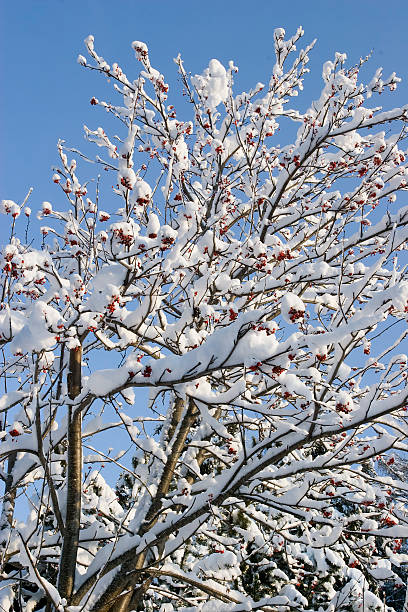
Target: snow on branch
point(204, 359)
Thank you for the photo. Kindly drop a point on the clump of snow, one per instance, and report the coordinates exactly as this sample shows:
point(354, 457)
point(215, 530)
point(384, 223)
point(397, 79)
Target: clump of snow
point(292, 308)
point(102, 382)
point(141, 49)
point(142, 192)
point(222, 565)
point(9, 207)
point(35, 335)
point(153, 226)
point(212, 84)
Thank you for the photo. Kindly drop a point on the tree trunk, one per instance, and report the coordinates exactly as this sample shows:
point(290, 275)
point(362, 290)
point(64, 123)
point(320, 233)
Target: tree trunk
point(74, 483)
point(112, 600)
point(9, 494)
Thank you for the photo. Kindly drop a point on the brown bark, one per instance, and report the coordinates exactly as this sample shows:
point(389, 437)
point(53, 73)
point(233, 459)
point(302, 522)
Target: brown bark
point(75, 372)
point(168, 471)
point(74, 481)
point(113, 599)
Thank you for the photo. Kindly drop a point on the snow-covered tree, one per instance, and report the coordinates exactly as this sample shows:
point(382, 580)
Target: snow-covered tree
point(259, 293)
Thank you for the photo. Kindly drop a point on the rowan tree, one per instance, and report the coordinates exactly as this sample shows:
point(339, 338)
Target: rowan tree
point(258, 292)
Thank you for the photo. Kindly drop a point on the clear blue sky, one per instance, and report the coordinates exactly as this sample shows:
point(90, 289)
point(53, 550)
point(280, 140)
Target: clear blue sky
point(45, 93)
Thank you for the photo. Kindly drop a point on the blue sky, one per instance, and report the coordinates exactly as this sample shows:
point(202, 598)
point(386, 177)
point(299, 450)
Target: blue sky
point(45, 93)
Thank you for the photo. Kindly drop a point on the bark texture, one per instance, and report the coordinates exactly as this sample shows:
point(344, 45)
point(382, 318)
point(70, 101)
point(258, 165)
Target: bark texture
point(74, 481)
